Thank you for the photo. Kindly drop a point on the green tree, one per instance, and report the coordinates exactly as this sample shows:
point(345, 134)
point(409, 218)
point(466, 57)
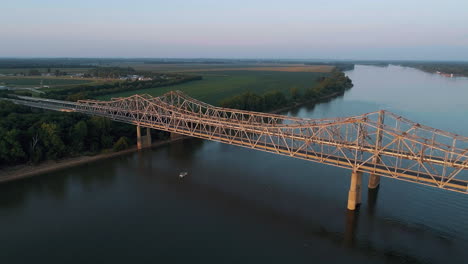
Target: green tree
point(294, 92)
point(99, 133)
point(34, 72)
point(49, 136)
point(78, 135)
point(121, 144)
point(11, 150)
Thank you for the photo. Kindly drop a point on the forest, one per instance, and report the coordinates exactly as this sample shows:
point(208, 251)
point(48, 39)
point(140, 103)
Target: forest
point(32, 135)
point(338, 82)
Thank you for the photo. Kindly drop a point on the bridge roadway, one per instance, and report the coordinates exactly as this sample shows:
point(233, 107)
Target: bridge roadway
point(250, 136)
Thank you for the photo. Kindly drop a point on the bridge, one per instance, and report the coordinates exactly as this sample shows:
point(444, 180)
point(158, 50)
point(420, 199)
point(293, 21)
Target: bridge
point(378, 143)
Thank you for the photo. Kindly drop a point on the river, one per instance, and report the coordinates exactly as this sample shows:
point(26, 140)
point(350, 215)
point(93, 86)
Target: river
point(240, 205)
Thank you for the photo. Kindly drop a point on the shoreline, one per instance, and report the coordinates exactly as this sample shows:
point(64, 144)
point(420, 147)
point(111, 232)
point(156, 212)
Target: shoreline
point(287, 108)
point(25, 171)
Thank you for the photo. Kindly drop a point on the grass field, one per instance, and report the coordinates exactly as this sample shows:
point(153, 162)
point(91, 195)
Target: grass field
point(219, 85)
point(225, 67)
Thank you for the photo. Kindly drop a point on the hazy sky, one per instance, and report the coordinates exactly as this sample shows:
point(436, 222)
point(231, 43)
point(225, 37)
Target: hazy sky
point(336, 29)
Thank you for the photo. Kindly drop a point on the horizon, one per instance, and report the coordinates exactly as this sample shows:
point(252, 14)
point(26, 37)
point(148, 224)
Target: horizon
point(251, 59)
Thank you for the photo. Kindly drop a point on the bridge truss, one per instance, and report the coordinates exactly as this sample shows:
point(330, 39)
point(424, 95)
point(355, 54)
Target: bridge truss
point(380, 143)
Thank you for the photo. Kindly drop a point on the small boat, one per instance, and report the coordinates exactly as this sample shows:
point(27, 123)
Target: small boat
point(183, 174)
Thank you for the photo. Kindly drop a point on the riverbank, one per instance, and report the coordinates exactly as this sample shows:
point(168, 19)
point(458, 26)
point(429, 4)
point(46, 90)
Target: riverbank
point(26, 171)
point(299, 104)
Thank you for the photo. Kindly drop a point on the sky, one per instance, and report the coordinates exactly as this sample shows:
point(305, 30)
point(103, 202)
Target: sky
point(294, 29)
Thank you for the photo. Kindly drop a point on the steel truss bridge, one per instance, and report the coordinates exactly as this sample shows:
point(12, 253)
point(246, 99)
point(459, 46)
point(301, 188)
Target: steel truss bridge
point(379, 143)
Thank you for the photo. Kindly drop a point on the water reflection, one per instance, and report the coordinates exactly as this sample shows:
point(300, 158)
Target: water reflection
point(350, 227)
point(56, 185)
point(372, 200)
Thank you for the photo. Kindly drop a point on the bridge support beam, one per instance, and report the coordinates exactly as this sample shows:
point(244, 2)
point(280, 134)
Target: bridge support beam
point(148, 137)
point(374, 181)
point(354, 195)
point(143, 141)
point(139, 145)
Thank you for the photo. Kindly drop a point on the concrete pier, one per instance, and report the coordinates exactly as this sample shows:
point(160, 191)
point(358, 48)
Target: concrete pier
point(139, 143)
point(374, 181)
point(354, 196)
point(143, 141)
point(148, 136)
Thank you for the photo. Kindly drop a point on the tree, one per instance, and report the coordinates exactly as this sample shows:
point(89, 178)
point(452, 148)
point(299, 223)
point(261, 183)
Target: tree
point(11, 150)
point(78, 135)
point(294, 93)
point(274, 100)
point(34, 72)
point(99, 133)
point(49, 135)
point(121, 144)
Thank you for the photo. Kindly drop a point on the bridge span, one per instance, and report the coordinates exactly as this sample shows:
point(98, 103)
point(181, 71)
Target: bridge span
point(379, 143)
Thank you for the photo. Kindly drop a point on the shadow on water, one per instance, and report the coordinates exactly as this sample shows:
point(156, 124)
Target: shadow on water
point(15, 194)
point(56, 184)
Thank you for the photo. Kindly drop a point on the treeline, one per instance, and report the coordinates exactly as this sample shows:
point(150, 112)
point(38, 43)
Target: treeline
point(188, 62)
point(457, 68)
point(338, 82)
point(32, 136)
point(85, 91)
point(112, 72)
point(339, 66)
point(54, 62)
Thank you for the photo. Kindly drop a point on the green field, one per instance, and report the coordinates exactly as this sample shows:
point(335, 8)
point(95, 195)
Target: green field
point(219, 85)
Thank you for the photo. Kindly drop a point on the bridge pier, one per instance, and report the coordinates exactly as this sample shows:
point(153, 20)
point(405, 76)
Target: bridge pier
point(148, 137)
point(139, 145)
point(354, 195)
point(143, 141)
point(374, 181)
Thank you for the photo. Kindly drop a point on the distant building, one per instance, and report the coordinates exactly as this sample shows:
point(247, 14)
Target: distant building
point(77, 75)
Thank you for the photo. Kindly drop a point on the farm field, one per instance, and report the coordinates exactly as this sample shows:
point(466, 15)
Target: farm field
point(224, 67)
point(220, 85)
